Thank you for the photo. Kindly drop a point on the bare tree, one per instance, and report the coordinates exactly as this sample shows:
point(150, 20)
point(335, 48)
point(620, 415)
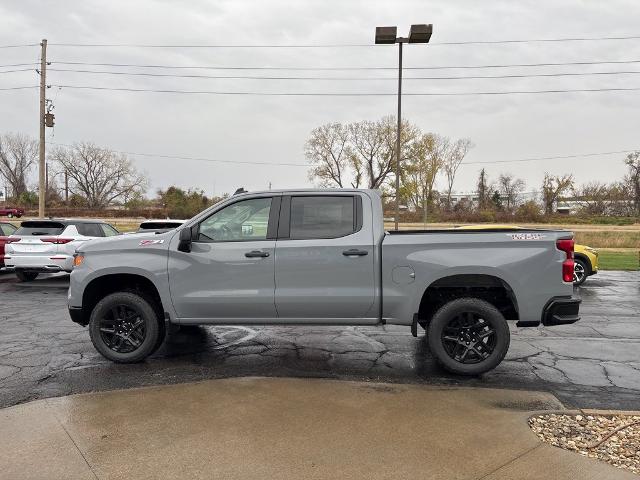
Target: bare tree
point(510, 188)
point(328, 151)
point(18, 154)
point(373, 150)
point(633, 178)
point(99, 174)
point(452, 162)
point(594, 197)
point(427, 156)
point(553, 187)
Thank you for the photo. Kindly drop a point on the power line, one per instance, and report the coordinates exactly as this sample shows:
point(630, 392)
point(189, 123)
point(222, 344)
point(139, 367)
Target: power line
point(248, 162)
point(252, 77)
point(344, 45)
point(444, 67)
point(341, 94)
point(18, 70)
point(19, 46)
point(19, 88)
point(199, 159)
point(535, 159)
point(18, 64)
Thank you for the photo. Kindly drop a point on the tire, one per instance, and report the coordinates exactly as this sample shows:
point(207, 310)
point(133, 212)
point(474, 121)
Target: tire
point(26, 276)
point(115, 317)
point(580, 271)
point(449, 338)
point(10, 215)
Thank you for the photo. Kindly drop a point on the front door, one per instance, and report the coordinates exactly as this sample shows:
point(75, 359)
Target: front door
point(229, 274)
point(325, 260)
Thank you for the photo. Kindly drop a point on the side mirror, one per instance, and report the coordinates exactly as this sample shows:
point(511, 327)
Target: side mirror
point(186, 239)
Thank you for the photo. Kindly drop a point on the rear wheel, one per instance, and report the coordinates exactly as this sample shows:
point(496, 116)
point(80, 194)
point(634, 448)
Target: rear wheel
point(580, 271)
point(468, 336)
point(10, 215)
point(125, 328)
point(26, 276)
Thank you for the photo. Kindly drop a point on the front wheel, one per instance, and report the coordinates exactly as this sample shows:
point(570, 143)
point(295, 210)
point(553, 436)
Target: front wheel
point(125, 328)
point(468, 336)
point(10, 215)
point(580, 270)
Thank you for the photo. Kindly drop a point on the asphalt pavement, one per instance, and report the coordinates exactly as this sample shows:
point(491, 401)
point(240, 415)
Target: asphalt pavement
point(592, 364)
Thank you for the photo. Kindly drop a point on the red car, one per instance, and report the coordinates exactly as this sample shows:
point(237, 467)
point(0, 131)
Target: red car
point(11, 212)
point(6, 229)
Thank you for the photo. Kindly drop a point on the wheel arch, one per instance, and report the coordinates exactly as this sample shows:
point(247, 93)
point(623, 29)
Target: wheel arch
point(490, 288)
point(104, 285)
point(586, 260)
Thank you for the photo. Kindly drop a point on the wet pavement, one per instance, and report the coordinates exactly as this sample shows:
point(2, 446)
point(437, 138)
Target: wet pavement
point(592, 364)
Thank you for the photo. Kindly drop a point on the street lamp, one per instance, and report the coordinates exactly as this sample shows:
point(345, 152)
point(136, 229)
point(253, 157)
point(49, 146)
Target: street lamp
point(386, 36)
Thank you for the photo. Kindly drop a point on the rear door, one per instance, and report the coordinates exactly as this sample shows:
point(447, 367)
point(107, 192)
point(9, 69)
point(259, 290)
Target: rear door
point(325, 259)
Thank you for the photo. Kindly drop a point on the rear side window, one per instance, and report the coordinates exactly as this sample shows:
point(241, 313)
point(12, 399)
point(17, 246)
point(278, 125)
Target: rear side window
point(90, 229)
point(108, 230)
point(38, 228)
point(322, 217)
point(7, 230)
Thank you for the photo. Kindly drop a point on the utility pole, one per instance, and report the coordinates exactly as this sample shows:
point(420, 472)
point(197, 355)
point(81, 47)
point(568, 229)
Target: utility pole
point(41, 163)
point(66, 187)
point(399, 132)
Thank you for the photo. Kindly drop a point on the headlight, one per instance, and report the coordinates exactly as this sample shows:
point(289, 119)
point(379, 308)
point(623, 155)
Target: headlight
point(78, 258)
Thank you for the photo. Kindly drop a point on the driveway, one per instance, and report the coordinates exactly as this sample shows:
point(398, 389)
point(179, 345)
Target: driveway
point(592, 364)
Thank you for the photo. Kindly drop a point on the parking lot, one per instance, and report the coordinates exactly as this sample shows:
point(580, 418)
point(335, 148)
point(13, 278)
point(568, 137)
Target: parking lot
point(594, 363)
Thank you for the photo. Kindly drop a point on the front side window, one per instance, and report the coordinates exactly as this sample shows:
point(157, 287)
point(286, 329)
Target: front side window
point(244, 220)
point(322, 217)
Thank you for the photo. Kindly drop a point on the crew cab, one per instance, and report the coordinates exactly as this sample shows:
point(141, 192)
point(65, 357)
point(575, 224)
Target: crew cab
point(46, 246)
point(322, 257)
point(6, 229)
point(11, 212)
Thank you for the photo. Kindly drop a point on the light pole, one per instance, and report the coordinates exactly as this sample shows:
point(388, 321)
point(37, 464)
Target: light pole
point(387, 36)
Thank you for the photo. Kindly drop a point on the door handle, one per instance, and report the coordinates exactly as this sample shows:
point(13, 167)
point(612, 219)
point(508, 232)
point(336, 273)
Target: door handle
point(354, 252)
point(256, 254)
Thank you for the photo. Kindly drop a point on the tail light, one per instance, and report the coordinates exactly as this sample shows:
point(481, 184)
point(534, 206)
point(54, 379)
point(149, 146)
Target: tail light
point(56, 240)
point(566, 245)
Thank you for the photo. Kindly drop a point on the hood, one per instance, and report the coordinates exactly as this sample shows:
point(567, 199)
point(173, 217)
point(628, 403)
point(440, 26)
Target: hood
point(128, 242)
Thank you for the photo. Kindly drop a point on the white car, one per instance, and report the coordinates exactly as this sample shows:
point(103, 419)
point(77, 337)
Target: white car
point(48, 245)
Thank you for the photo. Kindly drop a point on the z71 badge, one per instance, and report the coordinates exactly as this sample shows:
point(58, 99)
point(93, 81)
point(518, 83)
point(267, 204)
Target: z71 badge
point(146, 243)
point(526, 236)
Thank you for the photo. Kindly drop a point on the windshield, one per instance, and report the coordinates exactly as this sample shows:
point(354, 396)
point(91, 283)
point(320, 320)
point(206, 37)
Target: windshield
point(40, 228)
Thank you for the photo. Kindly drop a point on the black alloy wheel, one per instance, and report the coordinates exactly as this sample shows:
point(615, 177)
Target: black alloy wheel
point(122, 329)
point(126, 327)
point(468, 338)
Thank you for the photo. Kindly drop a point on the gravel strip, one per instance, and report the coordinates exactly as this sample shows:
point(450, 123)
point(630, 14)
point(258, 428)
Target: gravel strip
point(593, 436)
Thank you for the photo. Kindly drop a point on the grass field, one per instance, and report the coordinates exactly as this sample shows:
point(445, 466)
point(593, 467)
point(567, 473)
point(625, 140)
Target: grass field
point(619, 259)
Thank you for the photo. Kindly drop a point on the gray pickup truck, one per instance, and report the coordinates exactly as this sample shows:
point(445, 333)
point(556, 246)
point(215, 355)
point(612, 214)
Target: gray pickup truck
point(323, 257)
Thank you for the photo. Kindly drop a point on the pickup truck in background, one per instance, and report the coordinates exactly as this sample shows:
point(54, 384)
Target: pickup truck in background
point(322, 257)
point(11, 212)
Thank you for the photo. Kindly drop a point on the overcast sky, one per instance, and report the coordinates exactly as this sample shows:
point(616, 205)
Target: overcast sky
point(273, 129)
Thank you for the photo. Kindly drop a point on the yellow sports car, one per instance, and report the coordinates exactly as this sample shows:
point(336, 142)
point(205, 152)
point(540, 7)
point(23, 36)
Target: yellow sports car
point(585, 258)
